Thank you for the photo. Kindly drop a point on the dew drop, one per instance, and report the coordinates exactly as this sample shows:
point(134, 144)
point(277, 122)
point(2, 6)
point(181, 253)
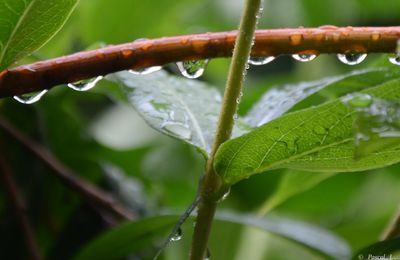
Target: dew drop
point(319, 130)
point(261, 60)
point(30, 98)
point(226, 194)
point(177, 236)
point(192, 69)
point(296, 39)
point(352, 58)
point(178, 129)
point(395, 59)
point(146, 71)
point(85, 85)
point(304, 57)
point(359, 100)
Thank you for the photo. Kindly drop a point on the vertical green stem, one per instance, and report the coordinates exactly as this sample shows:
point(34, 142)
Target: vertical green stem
point(212, 188)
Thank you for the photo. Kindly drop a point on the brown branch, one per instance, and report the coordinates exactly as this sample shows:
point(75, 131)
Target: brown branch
point(146, 53)
point(18, 204)
point(71, 179)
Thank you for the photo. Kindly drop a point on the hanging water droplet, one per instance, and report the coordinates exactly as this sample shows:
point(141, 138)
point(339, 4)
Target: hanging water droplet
point(304, 57)
point(319, 130)
point(352, 58)
point(177, 236)
point(178, 129)
point(235, 116)
point(261, 60)
point(30, 98)
point(85, 85)
point(192, 69)
point(146, 71)
point(226, 194)
point(395, 59)
point(359, 100)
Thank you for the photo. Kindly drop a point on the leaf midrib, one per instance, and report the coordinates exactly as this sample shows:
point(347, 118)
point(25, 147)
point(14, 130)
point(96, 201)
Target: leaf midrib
point(17, 26)
point(275, 165)
point(193, 119)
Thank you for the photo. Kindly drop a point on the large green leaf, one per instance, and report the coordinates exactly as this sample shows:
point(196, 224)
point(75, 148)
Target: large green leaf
point(133, 236)
point(25, 25)
point(279, 100)
point(315, 139)
point(182, 108)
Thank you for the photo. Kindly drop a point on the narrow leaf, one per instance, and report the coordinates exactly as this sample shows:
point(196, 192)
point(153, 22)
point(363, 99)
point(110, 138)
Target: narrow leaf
point(182, 108)
point(127, 238)
point(130, 237)
point(315, 139)
point(278, 100)
point(313, 237)
point(25, 25)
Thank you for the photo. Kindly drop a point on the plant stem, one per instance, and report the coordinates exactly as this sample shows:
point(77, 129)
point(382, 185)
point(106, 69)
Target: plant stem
point(212, 189)
point(153, 52)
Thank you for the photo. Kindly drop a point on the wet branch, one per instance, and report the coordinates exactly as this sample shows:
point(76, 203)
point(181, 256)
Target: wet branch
point(70, 178)
point(145, 53)
point(18, 205)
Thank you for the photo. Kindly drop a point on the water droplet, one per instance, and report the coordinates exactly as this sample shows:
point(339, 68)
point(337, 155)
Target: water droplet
point(375, 36)
point(146, 71)
point(226, 194)
point(319, 130)
point(192, 69)
point(178, 129)
point(291, 145)
point(359, 100)
point(296, 39)
point(177, 236)
point(304, 57)
point(84, 85)
point(30, 98)
point(261, 60)
point(352, 58)
point(395, 59)
point(235, 116)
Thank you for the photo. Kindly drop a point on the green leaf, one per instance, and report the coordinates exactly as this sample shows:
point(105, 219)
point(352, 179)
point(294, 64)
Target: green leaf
point(380, 250)
point(130, 237)
point(313, 237)
point(377, 123)
point(127, 238)
point(294, 182)
point(182, 108)
point(315, 139)
point(25, 25)
point(281, 99)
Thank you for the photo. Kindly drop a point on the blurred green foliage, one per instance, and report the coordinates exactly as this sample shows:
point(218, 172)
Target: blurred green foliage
point(87, 130)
